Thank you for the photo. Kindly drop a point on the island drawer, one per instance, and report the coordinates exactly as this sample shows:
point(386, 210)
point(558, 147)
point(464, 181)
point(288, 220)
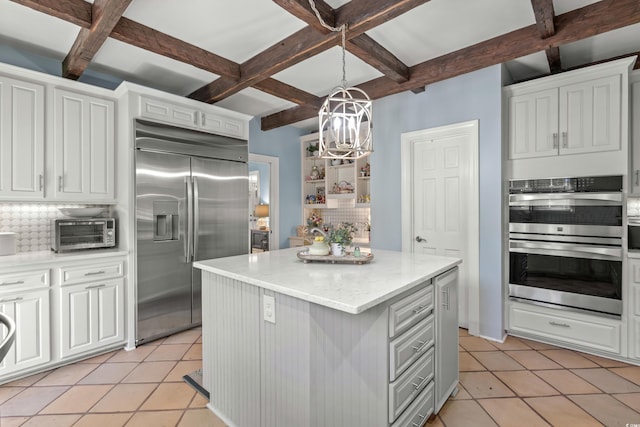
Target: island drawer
point(23, 280)
point(87, 273)
point(410, 384)
point(408, 347)
point(410, 310)
point(419, 411)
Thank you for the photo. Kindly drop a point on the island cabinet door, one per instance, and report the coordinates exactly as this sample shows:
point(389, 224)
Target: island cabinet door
point(446, 308)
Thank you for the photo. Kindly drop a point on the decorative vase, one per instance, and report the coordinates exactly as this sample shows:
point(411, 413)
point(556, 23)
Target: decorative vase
point(337, 249)
point(319, 248)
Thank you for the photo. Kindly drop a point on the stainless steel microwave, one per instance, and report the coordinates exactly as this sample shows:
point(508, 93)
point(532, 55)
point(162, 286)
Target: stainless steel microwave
point(87, 233)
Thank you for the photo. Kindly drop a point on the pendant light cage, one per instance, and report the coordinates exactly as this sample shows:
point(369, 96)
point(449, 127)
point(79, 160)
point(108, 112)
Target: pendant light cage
point(345, 124)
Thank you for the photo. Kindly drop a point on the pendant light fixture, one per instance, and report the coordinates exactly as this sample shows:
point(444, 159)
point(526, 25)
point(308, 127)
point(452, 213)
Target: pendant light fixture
point(344, 120)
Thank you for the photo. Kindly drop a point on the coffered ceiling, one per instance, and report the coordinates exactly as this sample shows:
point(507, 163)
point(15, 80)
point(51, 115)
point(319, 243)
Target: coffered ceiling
point(271, 58)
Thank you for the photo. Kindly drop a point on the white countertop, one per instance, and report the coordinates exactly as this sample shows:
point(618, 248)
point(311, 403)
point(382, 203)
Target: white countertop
point(43, 257)
point(347, 287)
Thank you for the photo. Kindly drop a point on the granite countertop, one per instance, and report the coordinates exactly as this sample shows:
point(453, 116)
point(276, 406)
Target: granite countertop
point(27, 259)
point(347, 287)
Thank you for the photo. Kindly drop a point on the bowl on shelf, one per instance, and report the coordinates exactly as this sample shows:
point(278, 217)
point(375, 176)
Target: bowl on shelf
point(82, 212)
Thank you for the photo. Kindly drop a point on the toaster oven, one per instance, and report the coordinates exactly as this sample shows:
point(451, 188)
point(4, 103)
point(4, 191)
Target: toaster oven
point(70, 234)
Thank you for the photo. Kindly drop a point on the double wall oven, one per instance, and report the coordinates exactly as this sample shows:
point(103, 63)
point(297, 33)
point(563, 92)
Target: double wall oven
point(565, 243)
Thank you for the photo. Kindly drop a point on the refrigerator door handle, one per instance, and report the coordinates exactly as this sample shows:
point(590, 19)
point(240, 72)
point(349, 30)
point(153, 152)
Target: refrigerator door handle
point(189, 231)
point(196, 217)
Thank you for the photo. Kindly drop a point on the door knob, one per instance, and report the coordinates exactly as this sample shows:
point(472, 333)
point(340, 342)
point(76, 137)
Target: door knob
point(420, 239)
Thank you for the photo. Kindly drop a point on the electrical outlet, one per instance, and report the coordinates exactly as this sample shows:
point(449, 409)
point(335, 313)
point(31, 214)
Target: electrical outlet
point(269, 308)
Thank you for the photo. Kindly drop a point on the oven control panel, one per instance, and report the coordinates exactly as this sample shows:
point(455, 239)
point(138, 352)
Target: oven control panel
point(587, 184)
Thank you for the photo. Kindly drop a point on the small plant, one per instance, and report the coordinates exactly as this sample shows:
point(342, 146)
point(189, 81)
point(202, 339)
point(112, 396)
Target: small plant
point(342, 234)
point(312, 148)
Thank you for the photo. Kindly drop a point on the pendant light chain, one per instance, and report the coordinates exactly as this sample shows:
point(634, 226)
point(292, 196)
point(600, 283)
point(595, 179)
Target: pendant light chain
point(343, 29)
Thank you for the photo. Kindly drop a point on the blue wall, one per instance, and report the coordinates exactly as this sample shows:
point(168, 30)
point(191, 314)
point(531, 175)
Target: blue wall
point(472, 96)
point(284, 143)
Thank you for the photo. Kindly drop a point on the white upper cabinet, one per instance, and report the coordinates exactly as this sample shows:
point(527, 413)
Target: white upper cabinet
point(83, 147)
point(590, 116)
point(22, 129)
point(577, 112)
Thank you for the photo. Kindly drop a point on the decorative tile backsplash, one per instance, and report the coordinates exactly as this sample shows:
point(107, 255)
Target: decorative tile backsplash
point(633, 206)
point(32, 223)
point(346, 213)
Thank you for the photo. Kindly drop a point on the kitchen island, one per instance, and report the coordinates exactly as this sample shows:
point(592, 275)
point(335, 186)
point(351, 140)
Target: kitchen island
point(292, 344)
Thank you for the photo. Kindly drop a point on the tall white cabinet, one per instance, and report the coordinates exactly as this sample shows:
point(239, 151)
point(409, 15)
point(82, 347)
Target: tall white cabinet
point(22, 137)
point(83, 147)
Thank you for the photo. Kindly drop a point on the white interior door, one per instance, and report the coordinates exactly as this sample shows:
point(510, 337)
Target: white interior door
point(274, 196)
point(440, 203)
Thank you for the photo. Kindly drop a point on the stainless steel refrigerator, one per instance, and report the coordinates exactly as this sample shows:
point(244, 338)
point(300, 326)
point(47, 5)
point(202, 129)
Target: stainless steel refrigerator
point(191, 204)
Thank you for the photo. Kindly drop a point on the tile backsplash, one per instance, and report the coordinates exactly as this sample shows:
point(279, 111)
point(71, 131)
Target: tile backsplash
point(346, 213)
point(32, 223)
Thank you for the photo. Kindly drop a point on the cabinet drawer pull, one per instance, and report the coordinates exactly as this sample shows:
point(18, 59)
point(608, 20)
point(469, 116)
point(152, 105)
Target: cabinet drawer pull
point(418, 348)
point(96, 286)
point(555, 140)
point(60, 183)
point(94, 273)
point(11, 300)
point(195, 118)
point(419, 385)
point(422, 417)
point(565, 140)
point(637, 176)
point(562, 325)
point(420, 309)
point(17, 282)
point(41, 181)
point(204, 120)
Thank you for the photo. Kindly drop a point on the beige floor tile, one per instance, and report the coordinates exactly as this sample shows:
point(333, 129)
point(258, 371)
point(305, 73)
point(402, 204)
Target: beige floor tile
point(27, 381)
point(497, 361)
point(465, 413)
point(52, 421)
point(168, 352)
point(604, 362)
point(484, 385)
point(632, 373)
point(198, 401)
point(632, 400)
point(512, 343)
point(200, 418)
point(538, 345)
point(124, 398)
point(103, 420)
point(468, 363)
point(462, 394)
point(169, 396)
point(155, 419)
point(525, 383)
point(568, 359)
point(149, 372)
point(101, 358)
point(463, 332)
point(183, 368)
point(476, 344)
point(109, 373)
point(67, 375)
point(77, 399)
point(138, 354)
point(199, 340)
point(185, 337)
point(606, 409)
point(13, 421)
point(607, 381)
point(531, 359)
point(435, 422)
point(194, 353)
point(512, 412)
point(7, 393)
point(31, 401)
point(566, 382)
point(560, 411)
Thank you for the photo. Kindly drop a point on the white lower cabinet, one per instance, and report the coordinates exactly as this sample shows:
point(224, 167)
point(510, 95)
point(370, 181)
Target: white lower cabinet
point(30, 310)
point(91, 316)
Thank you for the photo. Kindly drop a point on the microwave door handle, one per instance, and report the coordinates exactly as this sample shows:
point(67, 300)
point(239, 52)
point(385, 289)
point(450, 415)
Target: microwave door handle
point(189, 222)
point(567, 249)
point(593, 198)
point(196, 217)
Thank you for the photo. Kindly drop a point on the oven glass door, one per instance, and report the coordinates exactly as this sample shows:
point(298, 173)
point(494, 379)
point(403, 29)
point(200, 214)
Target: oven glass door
point(580, 280)
point(81, 234)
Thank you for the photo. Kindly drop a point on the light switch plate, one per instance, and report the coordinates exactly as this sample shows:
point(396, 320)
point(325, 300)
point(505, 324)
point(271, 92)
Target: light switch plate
point(269, 308)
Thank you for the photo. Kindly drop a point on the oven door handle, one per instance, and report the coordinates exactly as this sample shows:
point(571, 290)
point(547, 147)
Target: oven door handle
point(590, 199)
point(567, 250)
